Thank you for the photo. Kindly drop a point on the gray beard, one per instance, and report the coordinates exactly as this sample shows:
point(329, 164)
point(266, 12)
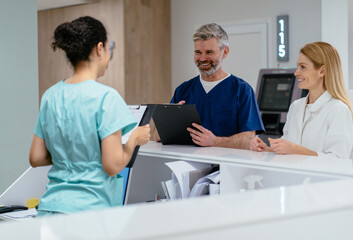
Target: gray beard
point(211, 71)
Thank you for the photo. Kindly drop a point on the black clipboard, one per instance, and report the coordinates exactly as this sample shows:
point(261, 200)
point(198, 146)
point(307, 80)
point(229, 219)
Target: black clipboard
point(146, 118)
point(172, 120)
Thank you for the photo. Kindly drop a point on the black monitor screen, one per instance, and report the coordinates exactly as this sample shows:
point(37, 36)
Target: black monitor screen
point(276, 92)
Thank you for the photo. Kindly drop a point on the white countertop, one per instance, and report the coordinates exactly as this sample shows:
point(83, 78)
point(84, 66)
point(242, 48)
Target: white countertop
point(261, 214)
point(322, 210)
point(216, 155)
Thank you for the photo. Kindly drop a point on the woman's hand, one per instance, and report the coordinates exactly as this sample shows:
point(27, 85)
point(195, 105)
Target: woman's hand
point(256, 144)
point(282, 146)
point(141, 134)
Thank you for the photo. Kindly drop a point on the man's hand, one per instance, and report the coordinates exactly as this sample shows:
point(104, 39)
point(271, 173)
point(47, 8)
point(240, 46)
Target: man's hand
point(202, 136)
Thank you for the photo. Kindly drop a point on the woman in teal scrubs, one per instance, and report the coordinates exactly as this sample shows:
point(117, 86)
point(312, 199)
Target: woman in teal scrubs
point(79, 127)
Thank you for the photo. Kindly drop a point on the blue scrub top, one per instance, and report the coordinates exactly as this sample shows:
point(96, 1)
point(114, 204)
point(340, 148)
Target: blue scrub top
point(73, 120)
point(229, 108)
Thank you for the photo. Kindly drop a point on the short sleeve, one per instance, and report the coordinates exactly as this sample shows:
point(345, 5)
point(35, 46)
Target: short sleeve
point(39, 128)
point(114, 115)
point(175, 96)
point(182, 91)
point(249, 118)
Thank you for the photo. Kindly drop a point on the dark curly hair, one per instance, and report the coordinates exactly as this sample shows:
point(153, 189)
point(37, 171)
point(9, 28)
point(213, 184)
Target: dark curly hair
point(78, 38)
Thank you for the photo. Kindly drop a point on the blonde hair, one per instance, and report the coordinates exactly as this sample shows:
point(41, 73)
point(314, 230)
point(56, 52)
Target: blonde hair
point(324, 54)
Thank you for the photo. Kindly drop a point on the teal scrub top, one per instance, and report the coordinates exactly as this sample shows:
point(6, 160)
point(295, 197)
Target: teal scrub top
point(73, 120)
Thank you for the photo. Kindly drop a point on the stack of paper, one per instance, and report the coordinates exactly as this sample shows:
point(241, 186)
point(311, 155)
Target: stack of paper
point(189, 179)
point(19, 215)
point(204, 185)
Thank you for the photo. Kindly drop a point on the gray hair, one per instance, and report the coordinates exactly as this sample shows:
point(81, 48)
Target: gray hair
point(211, 30)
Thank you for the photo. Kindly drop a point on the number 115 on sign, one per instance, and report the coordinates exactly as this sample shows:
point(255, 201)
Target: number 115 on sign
point(282, 39)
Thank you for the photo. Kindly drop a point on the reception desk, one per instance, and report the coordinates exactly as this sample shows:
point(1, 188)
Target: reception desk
point(277, 170)
point(288, 207)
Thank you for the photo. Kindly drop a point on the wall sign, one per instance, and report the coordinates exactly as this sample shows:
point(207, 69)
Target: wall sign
point(282, 39)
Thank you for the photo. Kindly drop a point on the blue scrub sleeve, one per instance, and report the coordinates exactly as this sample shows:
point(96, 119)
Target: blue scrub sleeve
point(250, 118)
point(114, 115)
point(173, 100)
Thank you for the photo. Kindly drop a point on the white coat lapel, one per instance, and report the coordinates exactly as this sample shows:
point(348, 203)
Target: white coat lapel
point(321, 101)
point(300, 118)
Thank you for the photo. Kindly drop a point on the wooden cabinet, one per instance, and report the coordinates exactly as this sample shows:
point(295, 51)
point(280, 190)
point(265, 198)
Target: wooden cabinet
point(141, 65)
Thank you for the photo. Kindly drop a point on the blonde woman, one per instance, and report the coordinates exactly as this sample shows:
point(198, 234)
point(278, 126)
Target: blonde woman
point(321, 123)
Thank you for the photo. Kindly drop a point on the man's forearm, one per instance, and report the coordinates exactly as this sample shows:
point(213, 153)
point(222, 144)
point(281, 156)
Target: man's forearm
point(239, 140)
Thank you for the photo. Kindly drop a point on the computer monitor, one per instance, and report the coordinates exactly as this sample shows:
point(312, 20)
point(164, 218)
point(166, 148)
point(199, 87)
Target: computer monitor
point(276, 92)
point(276, 89)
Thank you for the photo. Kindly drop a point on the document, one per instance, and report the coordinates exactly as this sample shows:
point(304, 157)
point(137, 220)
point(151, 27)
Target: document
point(137, 111)
point(184, 177)
point(204, 185)
point(180, 117)
point(19, 215)
point(171, 189)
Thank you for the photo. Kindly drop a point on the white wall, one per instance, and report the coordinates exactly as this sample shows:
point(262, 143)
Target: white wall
point(187, 15)
point(337, 29)
point(19, 86)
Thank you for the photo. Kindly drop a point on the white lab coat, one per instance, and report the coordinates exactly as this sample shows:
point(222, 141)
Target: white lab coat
point(328, 129)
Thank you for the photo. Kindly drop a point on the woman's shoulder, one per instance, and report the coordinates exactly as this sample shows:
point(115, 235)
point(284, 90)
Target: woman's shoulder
point(52, 89)
point(298, 102)
point(102, 87)
point(100, 90)
point(336, 105)
point(297, 106)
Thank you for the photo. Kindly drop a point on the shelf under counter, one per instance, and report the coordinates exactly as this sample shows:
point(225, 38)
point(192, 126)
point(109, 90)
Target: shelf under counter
point(235, 164)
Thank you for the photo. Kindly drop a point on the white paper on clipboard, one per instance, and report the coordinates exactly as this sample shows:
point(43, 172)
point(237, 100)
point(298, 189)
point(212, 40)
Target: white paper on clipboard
point(137, 111)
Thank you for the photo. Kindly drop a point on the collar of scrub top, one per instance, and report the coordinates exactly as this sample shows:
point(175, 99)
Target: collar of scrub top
point(320, 102)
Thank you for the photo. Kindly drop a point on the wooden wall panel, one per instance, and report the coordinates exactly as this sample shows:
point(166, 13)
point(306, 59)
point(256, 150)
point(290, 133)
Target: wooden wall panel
point(148, 46)
point(53, 66)
point(141, 66)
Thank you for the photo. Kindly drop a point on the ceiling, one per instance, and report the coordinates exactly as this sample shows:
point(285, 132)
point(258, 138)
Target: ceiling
point(49, 4)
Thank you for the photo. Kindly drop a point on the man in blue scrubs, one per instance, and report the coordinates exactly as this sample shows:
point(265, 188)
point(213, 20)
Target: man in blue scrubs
point(226, 104)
